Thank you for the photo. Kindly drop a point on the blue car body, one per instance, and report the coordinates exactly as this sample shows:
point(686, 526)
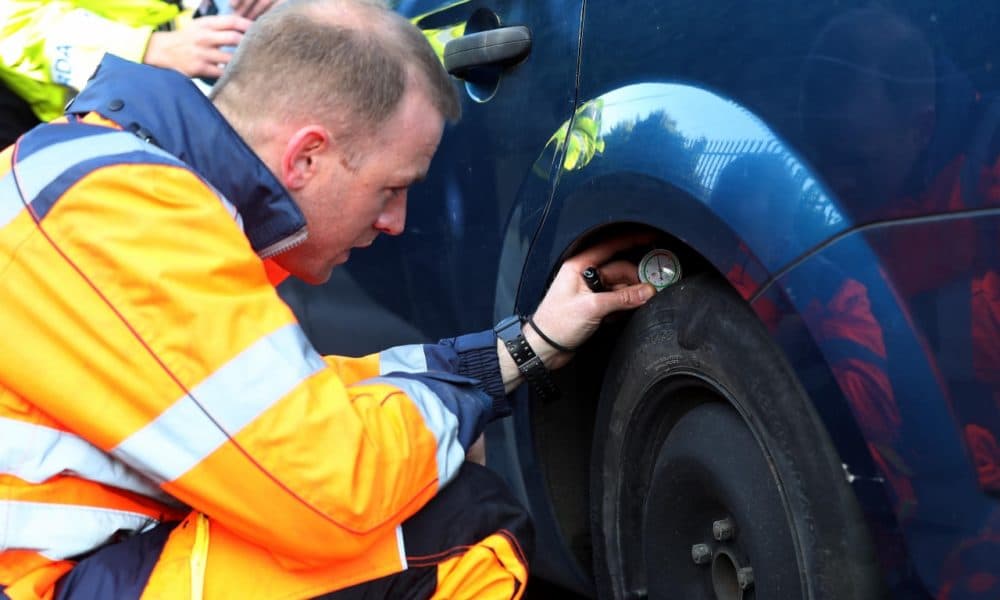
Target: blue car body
point(857, 213)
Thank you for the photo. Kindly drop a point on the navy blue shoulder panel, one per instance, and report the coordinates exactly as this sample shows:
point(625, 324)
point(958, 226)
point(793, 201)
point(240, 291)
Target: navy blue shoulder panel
point(164, 107)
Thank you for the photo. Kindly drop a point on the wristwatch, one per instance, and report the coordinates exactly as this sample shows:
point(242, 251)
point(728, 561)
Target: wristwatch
point(508, 330)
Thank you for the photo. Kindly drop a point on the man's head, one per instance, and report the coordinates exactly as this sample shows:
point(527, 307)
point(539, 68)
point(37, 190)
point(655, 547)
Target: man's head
point(345, 102)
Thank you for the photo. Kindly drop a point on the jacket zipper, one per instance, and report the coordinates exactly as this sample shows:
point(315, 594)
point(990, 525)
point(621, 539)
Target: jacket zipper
point(285, 244)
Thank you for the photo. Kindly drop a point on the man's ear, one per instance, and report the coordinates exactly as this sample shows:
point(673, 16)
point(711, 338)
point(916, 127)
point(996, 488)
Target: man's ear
point(300, 158)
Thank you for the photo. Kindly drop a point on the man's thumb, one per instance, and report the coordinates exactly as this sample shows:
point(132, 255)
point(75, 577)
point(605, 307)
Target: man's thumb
point(645, 292)
point(634, 295)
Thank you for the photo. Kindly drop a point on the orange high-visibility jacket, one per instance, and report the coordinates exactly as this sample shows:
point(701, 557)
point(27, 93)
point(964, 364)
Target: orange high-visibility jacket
point(149, 370)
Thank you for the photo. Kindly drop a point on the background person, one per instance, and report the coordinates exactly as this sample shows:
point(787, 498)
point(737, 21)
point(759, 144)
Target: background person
point(49, 48)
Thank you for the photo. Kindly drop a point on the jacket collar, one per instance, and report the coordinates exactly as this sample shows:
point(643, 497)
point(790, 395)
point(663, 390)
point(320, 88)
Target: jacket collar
point(165, 108)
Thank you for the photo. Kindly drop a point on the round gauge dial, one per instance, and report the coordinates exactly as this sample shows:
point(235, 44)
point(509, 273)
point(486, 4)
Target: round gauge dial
point(659, 268)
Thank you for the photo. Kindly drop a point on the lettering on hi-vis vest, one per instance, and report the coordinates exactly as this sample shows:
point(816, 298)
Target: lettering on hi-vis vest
point(62, 67)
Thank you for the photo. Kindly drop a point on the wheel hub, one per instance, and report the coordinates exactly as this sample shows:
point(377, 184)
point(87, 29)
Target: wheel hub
point(700, 537)
point(731, 576)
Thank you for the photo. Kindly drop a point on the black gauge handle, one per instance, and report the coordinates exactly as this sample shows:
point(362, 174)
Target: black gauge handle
point(504, 46)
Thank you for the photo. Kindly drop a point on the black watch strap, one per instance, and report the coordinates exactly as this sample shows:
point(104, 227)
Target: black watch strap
point(528, 363)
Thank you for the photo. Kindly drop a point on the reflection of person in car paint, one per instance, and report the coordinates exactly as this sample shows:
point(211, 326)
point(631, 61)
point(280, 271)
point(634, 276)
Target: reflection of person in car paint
point(890, 120)
point(868, 106)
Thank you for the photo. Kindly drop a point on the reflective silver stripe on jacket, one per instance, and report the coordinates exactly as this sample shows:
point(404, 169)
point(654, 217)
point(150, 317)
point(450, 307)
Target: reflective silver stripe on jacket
point(403, 359)
point(58, 531)
point(219, 407)
point(43, 167)
point(35, 453)
point(442, 423)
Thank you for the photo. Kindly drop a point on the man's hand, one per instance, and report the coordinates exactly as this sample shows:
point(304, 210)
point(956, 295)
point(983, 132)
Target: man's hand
point(196, 50)
point(251, 9)
point(570, 313)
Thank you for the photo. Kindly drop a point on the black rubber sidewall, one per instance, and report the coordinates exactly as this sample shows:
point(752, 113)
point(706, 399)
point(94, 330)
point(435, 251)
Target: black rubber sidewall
point(700, 326)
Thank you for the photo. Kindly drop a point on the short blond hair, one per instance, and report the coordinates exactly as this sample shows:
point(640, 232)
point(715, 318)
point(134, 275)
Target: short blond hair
point(347, 62)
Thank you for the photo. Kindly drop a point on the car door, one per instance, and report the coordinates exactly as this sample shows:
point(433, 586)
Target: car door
point(440, 277)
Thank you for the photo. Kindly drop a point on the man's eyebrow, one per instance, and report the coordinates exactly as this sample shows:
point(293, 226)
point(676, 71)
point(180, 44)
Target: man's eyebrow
point(406, 177)
point(415, 177)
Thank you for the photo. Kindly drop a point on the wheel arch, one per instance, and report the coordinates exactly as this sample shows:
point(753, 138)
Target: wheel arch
point(560, 432)
point(696, 213)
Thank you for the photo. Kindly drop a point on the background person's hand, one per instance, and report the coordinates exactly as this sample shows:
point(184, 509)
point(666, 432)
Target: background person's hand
point(570, 313)
point(196, 50)
point(251, 9)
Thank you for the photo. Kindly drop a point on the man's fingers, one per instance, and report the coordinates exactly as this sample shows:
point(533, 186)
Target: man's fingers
point(209, 70)
point(242, 7)
point(252, 9)
point(224, 22)
point(619, 272)
point(217, 57)
point(597, 255)
point(222, 38)
point(249, 9)
point(625, 298)
point(262, 7)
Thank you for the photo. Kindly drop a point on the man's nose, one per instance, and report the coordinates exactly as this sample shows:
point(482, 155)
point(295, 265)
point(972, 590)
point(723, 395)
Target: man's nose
point(392, 221)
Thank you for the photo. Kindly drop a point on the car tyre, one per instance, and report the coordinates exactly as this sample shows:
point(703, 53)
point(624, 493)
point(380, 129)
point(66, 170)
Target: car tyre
point(712, 476)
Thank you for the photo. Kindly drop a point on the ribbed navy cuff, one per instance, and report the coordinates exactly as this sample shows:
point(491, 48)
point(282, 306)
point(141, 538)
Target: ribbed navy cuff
point(477, 358)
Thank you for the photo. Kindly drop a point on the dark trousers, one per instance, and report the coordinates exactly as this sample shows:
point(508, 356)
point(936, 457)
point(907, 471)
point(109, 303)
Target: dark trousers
point(474, 507)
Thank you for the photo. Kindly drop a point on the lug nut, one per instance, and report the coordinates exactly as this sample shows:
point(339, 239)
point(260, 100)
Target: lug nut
point(701, 554)
point(723, 529)
point(744, 577)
